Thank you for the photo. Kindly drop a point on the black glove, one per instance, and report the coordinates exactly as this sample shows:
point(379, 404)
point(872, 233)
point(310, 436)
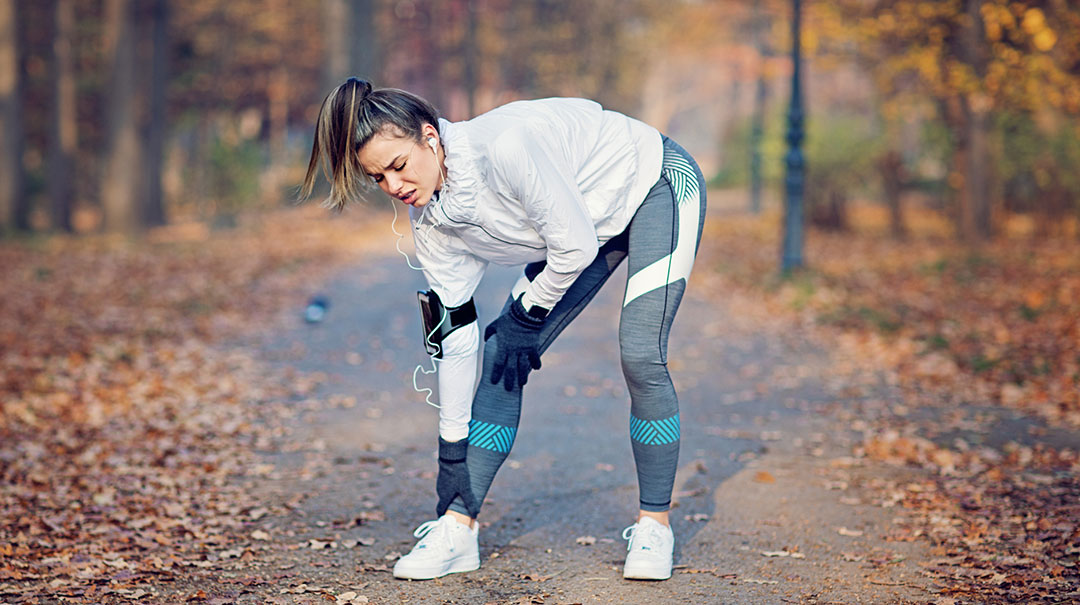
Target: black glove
point(454, 478)
point(519, 344)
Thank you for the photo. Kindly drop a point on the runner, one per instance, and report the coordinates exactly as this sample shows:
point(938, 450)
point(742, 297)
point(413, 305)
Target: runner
point(570, 190)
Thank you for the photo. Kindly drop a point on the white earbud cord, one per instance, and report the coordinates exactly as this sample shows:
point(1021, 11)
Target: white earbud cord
point(425, 391)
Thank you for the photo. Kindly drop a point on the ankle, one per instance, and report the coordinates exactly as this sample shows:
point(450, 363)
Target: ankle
point(661, 517)
point(465, 520)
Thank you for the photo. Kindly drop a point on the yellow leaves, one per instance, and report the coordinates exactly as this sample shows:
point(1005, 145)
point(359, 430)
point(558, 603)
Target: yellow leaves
point(1045, 39)
point(1034, 21)
point(1034, 24)
point(997, 19)
point(927, 10)
point(886, 22)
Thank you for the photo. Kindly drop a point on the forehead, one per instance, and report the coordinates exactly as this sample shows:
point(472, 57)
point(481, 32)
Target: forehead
point(382, 150)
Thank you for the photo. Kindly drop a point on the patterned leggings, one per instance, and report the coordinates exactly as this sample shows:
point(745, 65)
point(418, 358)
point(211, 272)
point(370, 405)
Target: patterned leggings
point(660, 244)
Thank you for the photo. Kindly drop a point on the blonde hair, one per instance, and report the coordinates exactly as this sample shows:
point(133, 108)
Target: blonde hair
point(350, 116)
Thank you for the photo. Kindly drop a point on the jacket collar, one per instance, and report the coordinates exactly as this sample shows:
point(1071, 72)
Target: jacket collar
point(464, 180)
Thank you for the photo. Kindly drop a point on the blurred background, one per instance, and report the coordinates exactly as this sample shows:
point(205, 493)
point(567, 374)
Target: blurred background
point(121, 115)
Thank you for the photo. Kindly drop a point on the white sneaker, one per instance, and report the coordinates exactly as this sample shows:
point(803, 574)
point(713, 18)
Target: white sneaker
point(446, 546)
point(650, 548)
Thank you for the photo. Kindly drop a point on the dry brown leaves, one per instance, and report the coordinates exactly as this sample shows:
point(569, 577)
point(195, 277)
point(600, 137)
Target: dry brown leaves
point(1001, 321)
point(947, 326)
point(124, 424)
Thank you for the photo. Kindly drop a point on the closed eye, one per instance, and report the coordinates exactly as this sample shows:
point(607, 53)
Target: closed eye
point(378, 177)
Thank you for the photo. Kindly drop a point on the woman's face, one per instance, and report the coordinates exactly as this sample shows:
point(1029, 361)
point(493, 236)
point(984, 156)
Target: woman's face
point(403, 168)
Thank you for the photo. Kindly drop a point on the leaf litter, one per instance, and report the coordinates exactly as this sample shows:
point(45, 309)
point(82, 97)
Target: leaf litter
point(947, 329)
point(127, 429)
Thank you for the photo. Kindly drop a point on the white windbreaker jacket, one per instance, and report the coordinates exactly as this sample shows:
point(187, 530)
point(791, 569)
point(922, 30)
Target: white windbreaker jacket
point(550, 179)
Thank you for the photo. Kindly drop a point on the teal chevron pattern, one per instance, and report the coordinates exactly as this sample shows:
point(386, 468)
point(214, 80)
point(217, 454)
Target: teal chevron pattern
point(494, 437)
point(654, 432)
point(683, 179)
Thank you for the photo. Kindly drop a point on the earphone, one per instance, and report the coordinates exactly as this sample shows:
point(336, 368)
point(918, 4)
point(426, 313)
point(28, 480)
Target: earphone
point(435, 149)
point(427, 392)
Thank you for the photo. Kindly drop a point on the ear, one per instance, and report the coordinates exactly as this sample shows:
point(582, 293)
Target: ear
point(427, 130)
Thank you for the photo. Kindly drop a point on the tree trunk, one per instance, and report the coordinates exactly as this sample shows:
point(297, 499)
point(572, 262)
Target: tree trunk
point(757, 130)
point(757, 119)
point(156, 118)
point(469, 55)
point(891, 167)
point(122, 157)
point(972, 157)
point(278, 96)
point(13, 202)
point(363, 52)
point(62, 128)
point(336, 28)
point(430, 20)
point(978, 173)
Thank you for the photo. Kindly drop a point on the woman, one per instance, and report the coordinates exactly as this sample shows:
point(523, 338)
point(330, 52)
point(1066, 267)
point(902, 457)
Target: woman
point(570, 190)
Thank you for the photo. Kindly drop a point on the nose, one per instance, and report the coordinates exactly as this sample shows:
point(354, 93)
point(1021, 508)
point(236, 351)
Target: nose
point(393, 184)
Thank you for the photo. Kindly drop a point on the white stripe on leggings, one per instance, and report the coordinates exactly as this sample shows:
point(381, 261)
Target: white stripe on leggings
point(677, 265)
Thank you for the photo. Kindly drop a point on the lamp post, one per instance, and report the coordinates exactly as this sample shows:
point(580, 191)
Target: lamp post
point(792, 257)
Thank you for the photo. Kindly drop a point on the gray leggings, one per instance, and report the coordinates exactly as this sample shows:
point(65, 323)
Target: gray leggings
point(659, 243)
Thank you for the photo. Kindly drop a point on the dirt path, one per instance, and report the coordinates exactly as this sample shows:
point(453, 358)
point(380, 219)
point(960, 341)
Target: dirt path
point(769, 507)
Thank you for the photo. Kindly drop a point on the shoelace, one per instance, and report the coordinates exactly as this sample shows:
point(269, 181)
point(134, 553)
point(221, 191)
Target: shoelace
point(651, 536)
point(430, 530)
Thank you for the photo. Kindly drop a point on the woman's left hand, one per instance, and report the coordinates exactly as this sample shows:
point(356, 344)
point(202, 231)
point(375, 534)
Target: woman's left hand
point(518, 349)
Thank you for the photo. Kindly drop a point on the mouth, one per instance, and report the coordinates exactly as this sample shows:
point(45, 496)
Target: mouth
point(408, 198)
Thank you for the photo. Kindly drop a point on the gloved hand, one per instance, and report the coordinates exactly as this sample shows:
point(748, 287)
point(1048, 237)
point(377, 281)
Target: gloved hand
point(453, 478)
point(519, 345)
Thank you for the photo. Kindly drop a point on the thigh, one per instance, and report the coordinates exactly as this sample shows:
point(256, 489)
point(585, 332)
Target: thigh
point(662, 242)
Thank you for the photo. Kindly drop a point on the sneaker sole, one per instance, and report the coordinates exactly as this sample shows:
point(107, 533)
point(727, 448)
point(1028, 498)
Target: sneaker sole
point(632, 573)
point(459, 565)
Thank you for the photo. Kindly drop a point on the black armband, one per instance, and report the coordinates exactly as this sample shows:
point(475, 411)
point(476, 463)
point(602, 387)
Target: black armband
point(439, 321)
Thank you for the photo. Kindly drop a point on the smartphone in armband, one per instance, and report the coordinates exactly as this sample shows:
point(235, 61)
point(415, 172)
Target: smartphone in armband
point(430, 313)
point(440, 321)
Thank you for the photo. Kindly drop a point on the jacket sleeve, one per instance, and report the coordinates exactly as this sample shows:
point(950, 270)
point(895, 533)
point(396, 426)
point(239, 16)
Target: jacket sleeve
point(453, 275)
point(543, 181)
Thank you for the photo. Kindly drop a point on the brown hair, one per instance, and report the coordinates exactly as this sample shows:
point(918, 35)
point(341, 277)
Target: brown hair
point(350, 116)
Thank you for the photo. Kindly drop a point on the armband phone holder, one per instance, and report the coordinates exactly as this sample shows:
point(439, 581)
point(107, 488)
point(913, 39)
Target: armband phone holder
point(438, 321)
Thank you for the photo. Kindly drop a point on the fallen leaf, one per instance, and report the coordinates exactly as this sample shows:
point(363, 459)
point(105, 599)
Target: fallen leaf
point(259, 534)
point(782, 553)
point(586, 540)
point(257, 513)
point(854, 533)
point(764, 477)
point(535, 577)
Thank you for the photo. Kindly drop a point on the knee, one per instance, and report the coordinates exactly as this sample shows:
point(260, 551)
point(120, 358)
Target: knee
point(643, 368)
